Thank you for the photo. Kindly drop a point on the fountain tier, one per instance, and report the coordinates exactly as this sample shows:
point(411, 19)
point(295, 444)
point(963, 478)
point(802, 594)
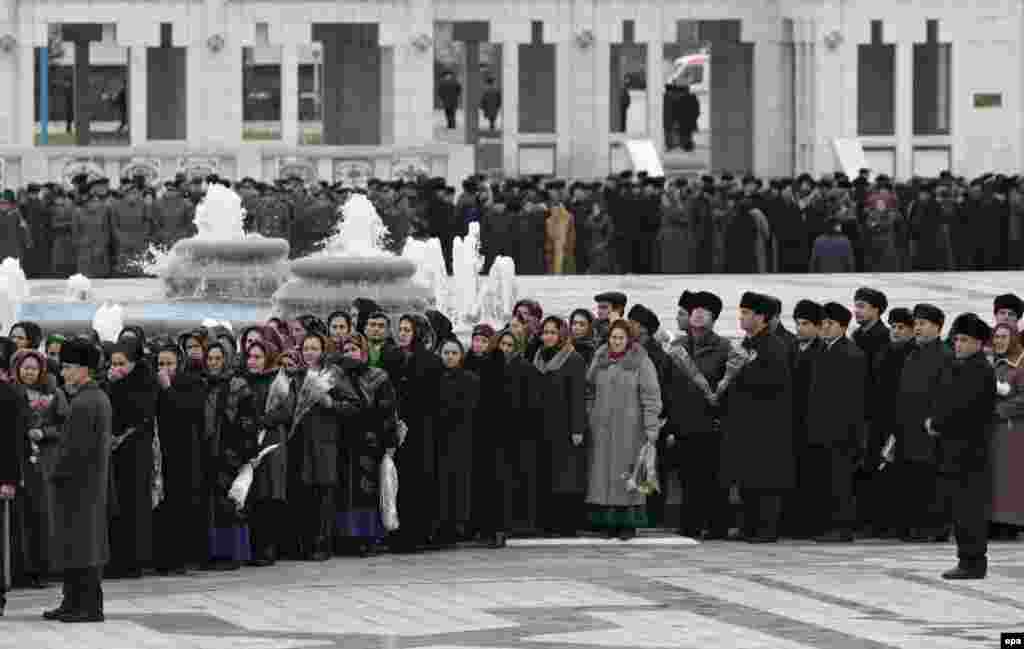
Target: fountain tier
point(222, 262)
point(353, 265)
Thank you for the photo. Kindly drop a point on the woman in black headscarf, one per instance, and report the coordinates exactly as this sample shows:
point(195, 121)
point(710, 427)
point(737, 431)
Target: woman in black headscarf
point(181, 418)
point(504, 493)
point(133, 395)
point(458, 394)
point(223, 453)
point(26, 335)
point(415, 373)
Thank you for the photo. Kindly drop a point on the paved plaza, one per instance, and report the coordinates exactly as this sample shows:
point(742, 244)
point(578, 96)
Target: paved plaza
point(728, 595)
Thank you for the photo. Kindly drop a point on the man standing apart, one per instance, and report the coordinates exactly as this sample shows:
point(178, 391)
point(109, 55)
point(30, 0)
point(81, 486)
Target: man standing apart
point(962, 425)
point(80, 478)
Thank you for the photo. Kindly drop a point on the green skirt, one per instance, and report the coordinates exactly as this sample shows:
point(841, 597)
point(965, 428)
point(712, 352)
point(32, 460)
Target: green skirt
point(613, 518)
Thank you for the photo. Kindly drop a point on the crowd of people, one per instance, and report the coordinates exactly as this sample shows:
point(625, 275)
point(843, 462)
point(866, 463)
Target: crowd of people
point(124, 456)
point(628, 223)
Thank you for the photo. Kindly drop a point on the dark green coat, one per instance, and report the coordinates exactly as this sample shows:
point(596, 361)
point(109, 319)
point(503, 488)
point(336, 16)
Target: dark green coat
point(81, 480)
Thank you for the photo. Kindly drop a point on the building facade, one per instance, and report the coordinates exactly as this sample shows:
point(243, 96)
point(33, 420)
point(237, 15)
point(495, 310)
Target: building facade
point(923, 85)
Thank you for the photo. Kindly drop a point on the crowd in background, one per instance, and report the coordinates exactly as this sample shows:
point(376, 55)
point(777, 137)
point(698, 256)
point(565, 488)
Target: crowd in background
point(627, 223)
point(885, 431)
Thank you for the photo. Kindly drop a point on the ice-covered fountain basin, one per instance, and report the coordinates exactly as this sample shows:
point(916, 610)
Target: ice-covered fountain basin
point(252, 249)
point(353, 269)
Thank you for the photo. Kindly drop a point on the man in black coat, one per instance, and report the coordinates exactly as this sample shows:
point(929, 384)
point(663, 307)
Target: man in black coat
point(12, 449)
point(872, 337)
point(693, 434)
point(835, 425)
point(81, 479)
point(757, 440)
point(798, 504)
point(962, 424)
point(876, 504)
point(925, 371)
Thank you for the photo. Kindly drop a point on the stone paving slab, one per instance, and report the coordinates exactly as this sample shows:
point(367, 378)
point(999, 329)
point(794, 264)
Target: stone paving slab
point(728, 595)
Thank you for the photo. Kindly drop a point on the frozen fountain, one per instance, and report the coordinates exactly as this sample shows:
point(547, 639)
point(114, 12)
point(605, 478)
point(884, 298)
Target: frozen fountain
point(466, 298)
point(353, 264)
point(222, 262)
point(13, 292)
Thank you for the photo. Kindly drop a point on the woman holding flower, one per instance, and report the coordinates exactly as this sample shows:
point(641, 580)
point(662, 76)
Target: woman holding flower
point(367, 404)
point(313, 450)
point(47, 408)
point(259, 411)
point(624, 406)
point(133, 395)
point(223, 458)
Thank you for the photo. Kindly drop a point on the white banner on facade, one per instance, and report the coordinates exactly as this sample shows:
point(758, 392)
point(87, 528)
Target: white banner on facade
point(644, 156)
point(850, 156)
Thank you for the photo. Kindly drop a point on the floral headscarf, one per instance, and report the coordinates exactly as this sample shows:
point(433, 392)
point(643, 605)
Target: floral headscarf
point(20, 358)
point(360, 341)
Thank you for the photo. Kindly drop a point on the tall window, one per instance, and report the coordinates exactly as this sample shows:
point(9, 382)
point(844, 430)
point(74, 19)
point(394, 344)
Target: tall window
point(876, 90)
point(932, 62)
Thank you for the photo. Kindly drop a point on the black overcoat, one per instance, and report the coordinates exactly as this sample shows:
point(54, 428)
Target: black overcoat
point(757, 435)
point(81, 478)
point(925, 371)
point(133, 399)
point(561, 408)
point(835, 400)
point(964, 417)
point(458, 395)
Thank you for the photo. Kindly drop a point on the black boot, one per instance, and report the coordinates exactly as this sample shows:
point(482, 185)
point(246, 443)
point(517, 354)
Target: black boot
point(968, 569)
point(67, 603)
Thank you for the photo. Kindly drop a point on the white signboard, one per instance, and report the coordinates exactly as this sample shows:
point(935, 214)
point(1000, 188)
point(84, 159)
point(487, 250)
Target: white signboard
point(644, 157)
point(850, 156)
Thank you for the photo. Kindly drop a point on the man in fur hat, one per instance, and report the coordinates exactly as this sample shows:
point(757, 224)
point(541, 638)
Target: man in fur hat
point(924, 373)
point(611, 306)
point(81, 480)
point(1008, 308)
point(798, 504)
point(961, 425)
point(693, 435)
point(757, 442)
point(835, 425)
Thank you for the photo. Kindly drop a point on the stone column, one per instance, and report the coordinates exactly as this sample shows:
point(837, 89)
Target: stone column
point(25, 121)
point(471, 91)
point(195, 78)
point(289, 94)
point(510, 105)
point(412, 73)
point(137, 104)
point(655, 77)
point(563, 103)
point(10, 73)
point(772, 125)
point(904, 83)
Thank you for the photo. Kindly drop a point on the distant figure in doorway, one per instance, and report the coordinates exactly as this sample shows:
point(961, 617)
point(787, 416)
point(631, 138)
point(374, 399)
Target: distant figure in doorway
point(121, 105)
point(681, 110)
point(449, 91)
point(624, 102)
point(69, 104)
point(688, 111)
point(490, 102)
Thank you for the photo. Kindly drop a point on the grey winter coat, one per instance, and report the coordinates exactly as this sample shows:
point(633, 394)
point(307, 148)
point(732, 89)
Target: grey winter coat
point(623, 405)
